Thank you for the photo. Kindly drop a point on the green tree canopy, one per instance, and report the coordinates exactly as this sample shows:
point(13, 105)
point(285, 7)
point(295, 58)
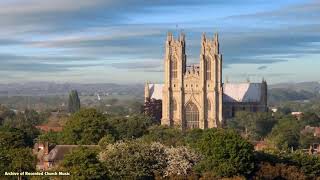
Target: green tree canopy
point(131, 127)
point(137, 160)
point(132, 159)
point(83, 163)
point(167, 135)
point(226, 153)
point(310, 119)
point(86, 127)
point(254, 126)
point(74, 102)
point(16, 160)
point(285, 134)
point(14, 138)
point(284, 161)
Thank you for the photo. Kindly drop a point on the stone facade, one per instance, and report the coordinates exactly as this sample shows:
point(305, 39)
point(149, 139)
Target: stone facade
point(193, 96)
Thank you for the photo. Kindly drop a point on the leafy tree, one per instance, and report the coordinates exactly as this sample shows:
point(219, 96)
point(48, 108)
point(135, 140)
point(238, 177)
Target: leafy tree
point(192, 137)
point(181, 161)
point(138, 160)
point(131, 127)
point(253, 126)
point(278, 171)
point(33, 117)
point(86, 127)
point(5, 113)
point(14, 138)
point(307, 139)
point(106, 140)
point(283, 161)
point(16, 160)
point(22, 122)
point(74, 102)
point(52, 137)
point(132, 159)
point(225, 153)
point(309, 164)
point(83, 163)
point(164, 134)
point(285, 134)
point(310, 119)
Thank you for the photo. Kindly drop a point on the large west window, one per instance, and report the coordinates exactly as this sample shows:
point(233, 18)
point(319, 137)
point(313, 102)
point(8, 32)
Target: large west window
point(192, 116)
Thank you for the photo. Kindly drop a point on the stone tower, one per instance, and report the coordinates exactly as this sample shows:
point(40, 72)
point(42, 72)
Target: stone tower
point(175, 67)
point(211, 77)
point(192, 95)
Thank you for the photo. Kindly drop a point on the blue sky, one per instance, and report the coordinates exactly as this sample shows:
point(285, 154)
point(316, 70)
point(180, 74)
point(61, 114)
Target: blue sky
point(102, 41)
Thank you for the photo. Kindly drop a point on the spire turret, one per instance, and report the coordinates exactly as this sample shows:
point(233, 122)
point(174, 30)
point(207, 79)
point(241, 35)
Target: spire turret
point(216, 43)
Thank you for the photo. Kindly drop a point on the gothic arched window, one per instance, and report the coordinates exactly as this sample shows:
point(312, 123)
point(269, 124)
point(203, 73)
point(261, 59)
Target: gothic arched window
point(174, 68)
point(192, 116)
point(208, 67)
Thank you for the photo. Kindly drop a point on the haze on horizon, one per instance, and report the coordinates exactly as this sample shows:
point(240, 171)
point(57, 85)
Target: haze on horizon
point(108, 41)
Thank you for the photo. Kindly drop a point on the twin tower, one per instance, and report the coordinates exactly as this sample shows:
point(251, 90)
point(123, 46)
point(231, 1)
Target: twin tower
point(192, 96)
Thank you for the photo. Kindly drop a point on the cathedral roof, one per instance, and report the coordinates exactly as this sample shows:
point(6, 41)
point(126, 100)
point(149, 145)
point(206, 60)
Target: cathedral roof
point(242, 92)
point(58, 152)
point(232, 92)
point(155, 91)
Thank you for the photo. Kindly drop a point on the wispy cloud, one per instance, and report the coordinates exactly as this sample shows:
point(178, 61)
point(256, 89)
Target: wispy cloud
point(57, 36)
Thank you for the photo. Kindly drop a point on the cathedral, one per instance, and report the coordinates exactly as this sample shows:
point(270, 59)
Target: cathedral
point(194, 96)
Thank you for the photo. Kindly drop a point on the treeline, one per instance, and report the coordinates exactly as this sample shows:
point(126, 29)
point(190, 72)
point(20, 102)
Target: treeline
point(17, 136)
point(137, 147)
point(279, 130)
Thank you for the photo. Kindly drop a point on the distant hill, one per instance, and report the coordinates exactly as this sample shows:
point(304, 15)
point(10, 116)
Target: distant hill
point(49, 88)
point(304, 91)
point(277, 92)
point(313, 87)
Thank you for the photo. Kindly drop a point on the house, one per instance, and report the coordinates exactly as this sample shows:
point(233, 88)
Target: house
point(49, 156)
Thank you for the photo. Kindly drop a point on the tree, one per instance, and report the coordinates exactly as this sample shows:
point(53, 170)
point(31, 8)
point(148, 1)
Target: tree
point(86, 127)
point(5, 113)
point(181, 161)
point(106, 140)
point(310, 119)
point(254, 126)
point(278, 171)
point(33, 117)
point(137, 160)
point(287, 165)
point(306, 139)
point(309, 164)
point(16, 160)
point(285, 134)
point(225, 153)
point(52, 137)
point(74, 102)
point(23, 122)
point(132, 159)
point(83, 163)
point(166, 135)
point(131, 127)
point(14, 138)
